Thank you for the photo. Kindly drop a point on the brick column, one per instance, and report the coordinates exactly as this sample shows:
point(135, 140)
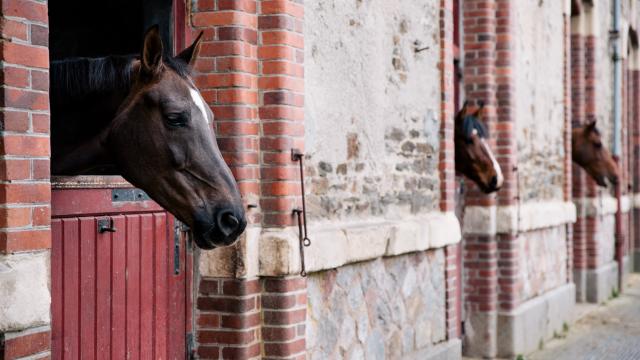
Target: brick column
point(508, 248)
point(480, 251)
point(591, 188)
point(227, 314)
point(447, 167)
point(25, 191)
point(578, 113)
point(568, 171)
point(447, 111)
point(281, 55)
point(635, 152)
point(228, 80)
point(284, 315)
point(228, 319)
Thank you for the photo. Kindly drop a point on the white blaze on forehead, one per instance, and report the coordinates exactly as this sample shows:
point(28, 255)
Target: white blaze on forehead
point(199, 101)
point(496, 167)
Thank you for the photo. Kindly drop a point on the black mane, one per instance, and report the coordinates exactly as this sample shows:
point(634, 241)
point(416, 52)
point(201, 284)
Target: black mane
point(471, 123)
point(77, 78)
point(80, 77)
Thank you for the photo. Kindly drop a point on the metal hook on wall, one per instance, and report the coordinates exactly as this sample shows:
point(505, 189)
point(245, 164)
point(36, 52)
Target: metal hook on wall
point(303, 236)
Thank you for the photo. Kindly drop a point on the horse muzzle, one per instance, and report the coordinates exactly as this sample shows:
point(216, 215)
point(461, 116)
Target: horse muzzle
point(223, 230)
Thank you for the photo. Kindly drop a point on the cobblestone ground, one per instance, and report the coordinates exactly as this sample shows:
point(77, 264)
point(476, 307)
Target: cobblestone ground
point(608, 332)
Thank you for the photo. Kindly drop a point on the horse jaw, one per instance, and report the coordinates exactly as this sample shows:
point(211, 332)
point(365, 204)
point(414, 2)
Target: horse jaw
point(496, 166)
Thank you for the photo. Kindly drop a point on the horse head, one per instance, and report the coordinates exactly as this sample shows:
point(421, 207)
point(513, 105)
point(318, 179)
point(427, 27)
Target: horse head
point(162, 141)
point(595, 159)
point(473, 155)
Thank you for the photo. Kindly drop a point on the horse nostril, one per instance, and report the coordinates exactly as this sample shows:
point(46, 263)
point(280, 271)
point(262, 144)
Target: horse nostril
point(228, 223)
point(494, 182)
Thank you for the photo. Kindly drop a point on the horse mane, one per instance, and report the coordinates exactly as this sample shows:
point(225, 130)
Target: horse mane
point(79, 77)
point(76, 78)
point(471, 123)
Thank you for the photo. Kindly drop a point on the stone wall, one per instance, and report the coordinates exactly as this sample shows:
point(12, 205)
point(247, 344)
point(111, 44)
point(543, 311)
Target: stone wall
point(543, 259)
point(605, 239)
point(372, 107)
point(604, 70)
point(538, 72)
point(386, 308)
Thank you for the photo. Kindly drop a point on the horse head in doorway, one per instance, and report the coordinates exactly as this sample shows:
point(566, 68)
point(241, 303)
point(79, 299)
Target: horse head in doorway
point(588, 152)
point(143, 118)
point(474, 158)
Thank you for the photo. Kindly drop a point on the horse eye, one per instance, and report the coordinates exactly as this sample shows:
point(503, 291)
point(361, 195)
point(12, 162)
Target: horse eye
point(176, 120)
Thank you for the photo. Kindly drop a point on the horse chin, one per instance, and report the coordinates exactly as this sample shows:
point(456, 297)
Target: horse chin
point(601, 181)
point(488, 190)
point(202, 242)
point(207, 236)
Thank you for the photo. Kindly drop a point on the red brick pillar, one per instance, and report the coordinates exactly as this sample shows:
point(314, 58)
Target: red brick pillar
point(447, 166)
point(591, 188)
point(635, 152)
point(568, 171)
point(251, 66)
point(281, 55)
point(508, 248)
point(228, 320)
point(480, 250)
point(578, 113)
point(284, 315)
point(227, 314)
point(25, 191)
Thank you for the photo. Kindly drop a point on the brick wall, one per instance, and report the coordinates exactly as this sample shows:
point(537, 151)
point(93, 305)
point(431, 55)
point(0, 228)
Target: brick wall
point(228, 319)
point(578, 117)
point(480, 253)
point(568, 163)
point(447, 111)
point(635, 151)
point(25, 194)
point(281, 57)
point(251, 74)
point(284, 306)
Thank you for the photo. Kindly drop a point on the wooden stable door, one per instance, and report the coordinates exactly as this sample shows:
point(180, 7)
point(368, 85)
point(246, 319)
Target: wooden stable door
point(120, 277)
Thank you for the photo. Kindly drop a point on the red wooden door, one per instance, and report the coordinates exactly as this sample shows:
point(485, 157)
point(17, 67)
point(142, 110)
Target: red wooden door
point(122, 294)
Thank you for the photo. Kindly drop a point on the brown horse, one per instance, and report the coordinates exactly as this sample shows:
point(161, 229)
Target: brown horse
point(143, 118)
point(588, 152)
point(474, 158)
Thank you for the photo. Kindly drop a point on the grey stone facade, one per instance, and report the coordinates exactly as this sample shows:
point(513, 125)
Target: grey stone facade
point(382, 309)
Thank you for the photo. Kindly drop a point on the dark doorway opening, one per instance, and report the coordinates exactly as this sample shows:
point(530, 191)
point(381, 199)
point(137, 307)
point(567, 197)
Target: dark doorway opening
point(93, 29)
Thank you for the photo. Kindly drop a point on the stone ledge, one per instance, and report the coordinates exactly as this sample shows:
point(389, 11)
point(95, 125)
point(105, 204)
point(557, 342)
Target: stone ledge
point(601, 206)
point(636, 200)
point(491, 220)
point(521, 330)
point(601, 282)
point(25, 299)
point(448, 350)
point(334, 246)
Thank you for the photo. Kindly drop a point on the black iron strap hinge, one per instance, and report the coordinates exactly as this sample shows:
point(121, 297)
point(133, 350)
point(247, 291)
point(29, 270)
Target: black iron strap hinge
point(301, 214)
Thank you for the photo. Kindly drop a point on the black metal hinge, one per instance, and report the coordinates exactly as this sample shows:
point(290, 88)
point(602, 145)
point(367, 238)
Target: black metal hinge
point(178, 230)
point(190, 347)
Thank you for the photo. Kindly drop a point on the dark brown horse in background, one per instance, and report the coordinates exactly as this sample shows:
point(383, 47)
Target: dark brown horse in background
point(474, 158)
point(588, 152)
point(143, 118)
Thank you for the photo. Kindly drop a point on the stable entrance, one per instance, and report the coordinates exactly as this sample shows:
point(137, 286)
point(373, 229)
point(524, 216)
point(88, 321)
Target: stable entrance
point(120, 265)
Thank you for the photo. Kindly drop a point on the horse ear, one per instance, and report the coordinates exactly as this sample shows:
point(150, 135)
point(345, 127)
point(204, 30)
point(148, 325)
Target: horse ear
point(190, 54)
point(151, 59)
point(478, 112)
point(463, 111)
point(591, 126)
